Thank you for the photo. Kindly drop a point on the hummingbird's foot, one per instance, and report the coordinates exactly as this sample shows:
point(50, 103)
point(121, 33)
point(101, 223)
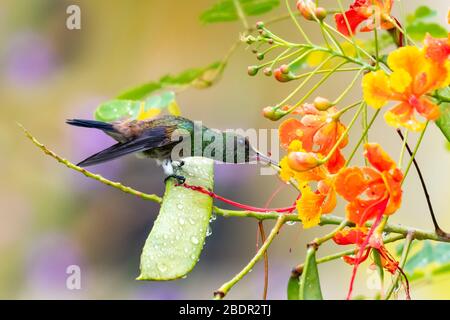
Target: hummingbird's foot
point(180, 179)
point(178, 164)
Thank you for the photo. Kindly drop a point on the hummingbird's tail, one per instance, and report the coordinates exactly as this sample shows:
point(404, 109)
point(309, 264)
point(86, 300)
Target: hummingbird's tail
point(91, 124)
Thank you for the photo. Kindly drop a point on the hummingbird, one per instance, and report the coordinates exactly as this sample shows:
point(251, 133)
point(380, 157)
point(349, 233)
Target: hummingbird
point(159, 137)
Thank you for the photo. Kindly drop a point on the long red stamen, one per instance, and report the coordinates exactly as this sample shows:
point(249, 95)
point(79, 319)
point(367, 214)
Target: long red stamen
point(359, 255)
point(237, 204)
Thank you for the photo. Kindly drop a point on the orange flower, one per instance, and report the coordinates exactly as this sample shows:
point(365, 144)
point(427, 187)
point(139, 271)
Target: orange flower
point(416, 72)
point(358, 235)
point(437, 49)
point(371, 191)
point(318, 131)
point(312, 204)
point(368, 11)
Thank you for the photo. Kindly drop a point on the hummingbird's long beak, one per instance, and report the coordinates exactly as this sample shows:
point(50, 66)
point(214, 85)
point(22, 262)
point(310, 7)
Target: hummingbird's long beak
point(260, 156)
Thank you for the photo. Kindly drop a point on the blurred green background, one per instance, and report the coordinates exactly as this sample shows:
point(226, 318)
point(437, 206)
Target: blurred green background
point(52, 217)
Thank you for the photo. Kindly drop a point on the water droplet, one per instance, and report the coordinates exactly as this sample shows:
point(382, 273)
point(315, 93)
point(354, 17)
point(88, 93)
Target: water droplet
point(192, 256)
point(177, 237)
point(181, 221)
point(180, 206)
point(194, 240)
point(191, 221)
point(291, 223)
point(162, 267)
point(165, 236)
point(213, 217)
point(208, 231)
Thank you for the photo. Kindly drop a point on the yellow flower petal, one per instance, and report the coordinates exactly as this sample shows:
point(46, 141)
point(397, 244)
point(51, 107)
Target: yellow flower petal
point(174, 109)
point(309, 207)
point(410, 59)
point(147, 114)
point(400, 80)
point(376, 88)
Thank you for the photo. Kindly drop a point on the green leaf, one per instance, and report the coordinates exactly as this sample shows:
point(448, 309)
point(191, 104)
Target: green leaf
point(117, 109)
point(309, 280)
point(225, 10)
point(293, 288)
point(176, 240)
point(421, 12)
point(129, 109)
point(418, 30)
point(443, 122)
point(442, 97)
point(429, 260)
point(196, 77)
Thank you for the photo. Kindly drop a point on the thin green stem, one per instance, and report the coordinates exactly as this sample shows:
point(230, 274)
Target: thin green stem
point(389, 239)
point(350, 86)
point(294, 19)
point(314, 88)
point(303, 82)
point(241, 14)
point(406, 247)
point(361, 139)
point(325, 71)
point(226, 287)
point(344, 134)
point(349, 29)
point(319, 241)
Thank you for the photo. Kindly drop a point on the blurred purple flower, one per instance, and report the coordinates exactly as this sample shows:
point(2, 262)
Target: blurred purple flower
point(48, 261)
point(30, 58)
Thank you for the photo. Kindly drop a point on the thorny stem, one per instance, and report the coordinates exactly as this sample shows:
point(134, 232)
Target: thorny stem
point(223, 290)
point(398, 274)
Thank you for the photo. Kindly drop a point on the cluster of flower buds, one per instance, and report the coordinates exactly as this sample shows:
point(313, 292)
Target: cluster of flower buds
point(303, 161)
point(310, 11)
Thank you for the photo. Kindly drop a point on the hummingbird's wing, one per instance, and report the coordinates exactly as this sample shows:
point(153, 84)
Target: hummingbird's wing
point(152, 138)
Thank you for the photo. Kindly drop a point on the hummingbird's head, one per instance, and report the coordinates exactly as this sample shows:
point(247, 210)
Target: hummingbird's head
point(237, 148)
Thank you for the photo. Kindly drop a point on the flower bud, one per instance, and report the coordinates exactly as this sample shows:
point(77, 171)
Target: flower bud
point(267, 71)
point(303, 161)
point(322, 104)
point(306, 8)
point(260, 56)
point(272, 113)
point(281, 76)
point(259, 25)
point(252, 70)
point(321, 13)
